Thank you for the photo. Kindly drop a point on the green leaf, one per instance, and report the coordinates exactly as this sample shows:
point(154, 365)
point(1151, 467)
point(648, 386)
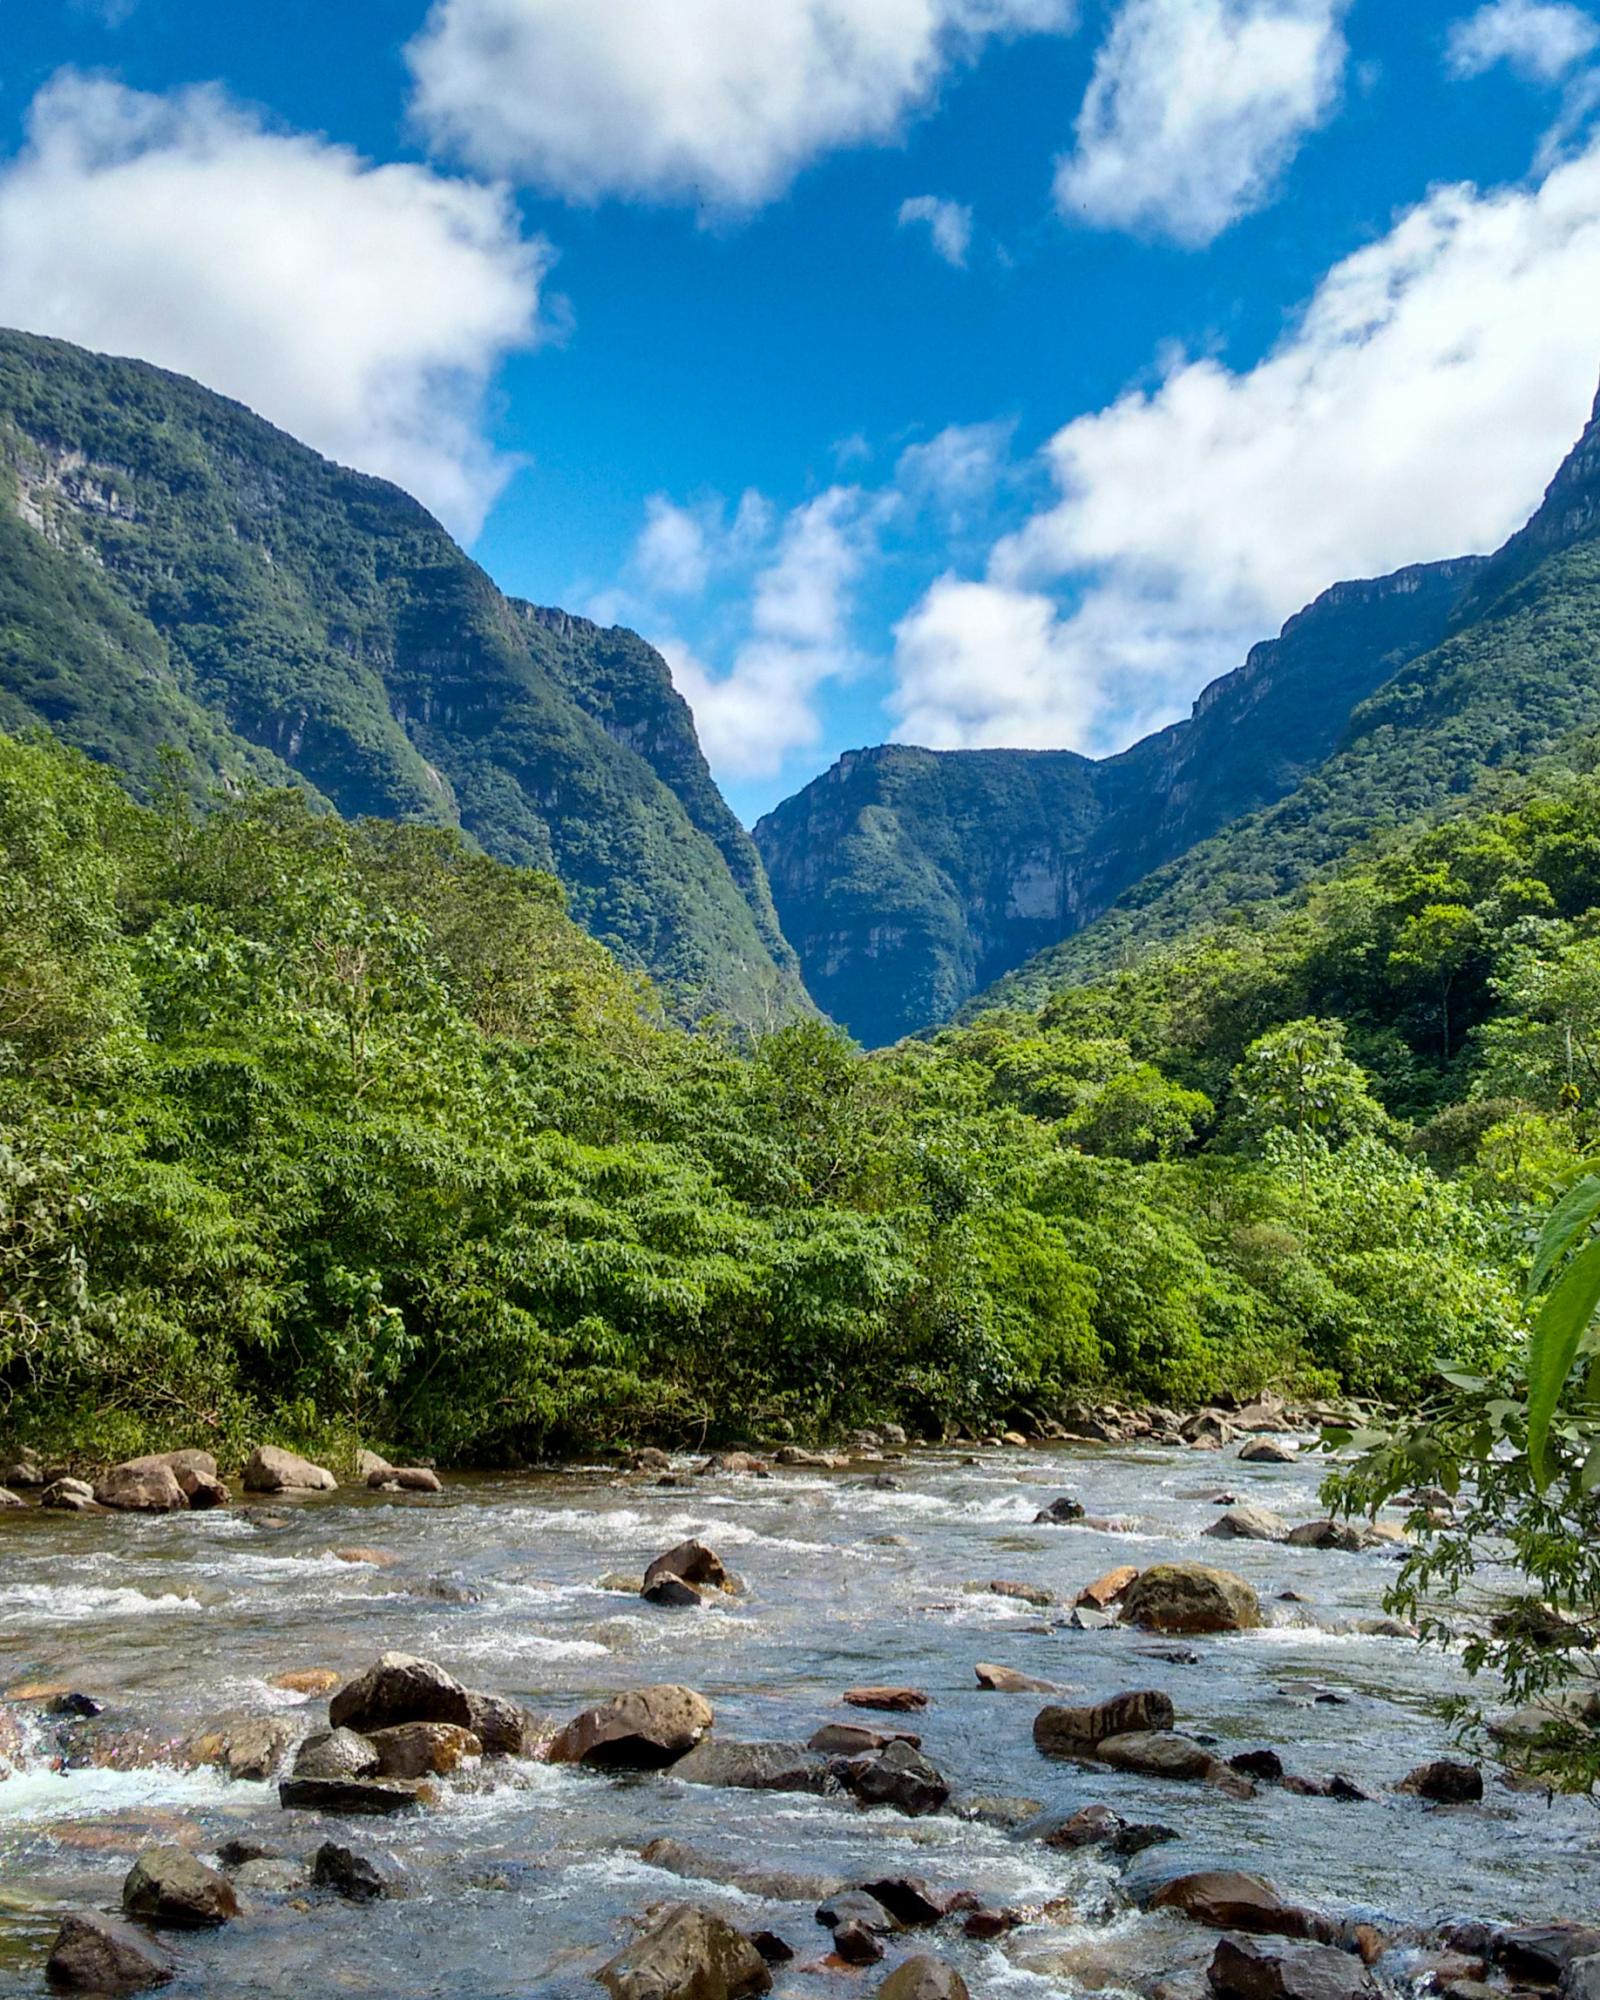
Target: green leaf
point(1589, 1478)
point(1572, 1214)
point(1557, 1331)
point(1458, 1380)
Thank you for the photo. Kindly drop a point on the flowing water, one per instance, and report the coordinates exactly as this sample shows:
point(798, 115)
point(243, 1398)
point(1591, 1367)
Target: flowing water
point(526, 1884)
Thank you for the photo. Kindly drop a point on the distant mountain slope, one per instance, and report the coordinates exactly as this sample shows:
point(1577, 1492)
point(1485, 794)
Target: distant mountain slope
point(1518, 672)
point(907, 880)
point(173, 570)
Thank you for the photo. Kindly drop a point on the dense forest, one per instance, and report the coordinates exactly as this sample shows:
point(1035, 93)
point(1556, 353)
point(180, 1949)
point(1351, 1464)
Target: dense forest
point(346, 1128)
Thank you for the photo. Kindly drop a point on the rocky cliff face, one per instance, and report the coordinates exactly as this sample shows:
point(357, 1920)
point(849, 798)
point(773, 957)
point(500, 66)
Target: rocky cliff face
point(908, 880)
point(174, 571)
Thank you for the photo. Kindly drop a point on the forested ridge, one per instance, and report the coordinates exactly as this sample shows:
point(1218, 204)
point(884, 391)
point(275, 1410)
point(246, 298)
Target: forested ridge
point(346, 1129)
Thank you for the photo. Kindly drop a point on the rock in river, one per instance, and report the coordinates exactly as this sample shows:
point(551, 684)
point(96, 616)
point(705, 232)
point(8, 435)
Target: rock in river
point(1243, 1969)
point(1249, 1524)
point(689, 1954)
point(168, 1887)
point(352, 1795)
point(896, 1700)
point(1226, 1899)
point(924, 1978)
point(400, 1689)
point(146, 1486)
point(1191, 1597)
point(897, 1775)
point(1006, 1680)
point(755, 1767)
point(272, 1470)
point(1445, 1781)
point(1074, 1732)
point(95, 1954)
point(347, 1874)
point(423, 1749)
point(336, 1753)
point(641, 1730)
point(71, 1496)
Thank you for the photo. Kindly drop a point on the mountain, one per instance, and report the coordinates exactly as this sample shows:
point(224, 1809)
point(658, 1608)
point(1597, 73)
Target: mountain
point(175, 572)
point(909, 880)
point(1517, 673)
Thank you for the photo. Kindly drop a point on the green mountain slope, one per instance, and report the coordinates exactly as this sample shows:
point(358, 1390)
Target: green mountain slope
point(909, 879)
point(174, 571)
point(1519, 671)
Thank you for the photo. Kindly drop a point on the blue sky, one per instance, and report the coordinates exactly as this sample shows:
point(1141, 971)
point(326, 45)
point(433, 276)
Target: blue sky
point(966, 371)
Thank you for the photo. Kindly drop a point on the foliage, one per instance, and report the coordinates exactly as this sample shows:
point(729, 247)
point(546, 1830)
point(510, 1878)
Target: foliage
point(176, 573)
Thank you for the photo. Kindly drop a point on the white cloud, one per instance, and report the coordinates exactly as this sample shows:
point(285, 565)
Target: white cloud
point(680, 549)
point(362, 308)
point(1415, 411)
point(760, 710)
point(1541, 39)
point(1195, 109)
point(720, 101)
point(949, 225)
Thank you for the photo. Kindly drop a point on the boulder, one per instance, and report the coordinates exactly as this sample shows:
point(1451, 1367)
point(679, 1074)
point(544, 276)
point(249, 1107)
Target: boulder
point(245, 1746)
point(26, 1469)
point(1191, 1597)
point(1249, 1524)
point(733, 1461)
point(400, 1689)
point(72, 1496)
point(649, 1458)
point(1108, 1589)
point(95, 1954)
point(271, 1875)
point(692, 1567)
point(795, 1455)
point(194, 1470)
point(1099, 1826)
point(857, 1906)
point(1243, 1969)
point(898, 1776)
point(924, 1978)
point(856, 1944)
point(406, 1479)
point(142, 1486)
point(1581, 1978)
point(1226, 1899)
point(1160, 1753)
point(1266, 1765)
point(1059, 1512)
point(369, 1462)
point(272, 1470)
point(422, 1749)
point(854, 1739)
point(10, 1499)
point(166, 1886)
point(1350, 1536)
point(896, 1700)
point(1445, 1781)
point(1006, 1680)
point(687, 1954)
point(504, 1728)
point(754, 1767)
point(641, 1730)
point(1075, 1732)
point(909, 1900)
point(1267, 1451)
point(1541, 1953)
point(347, 1874)
point(351, 1795)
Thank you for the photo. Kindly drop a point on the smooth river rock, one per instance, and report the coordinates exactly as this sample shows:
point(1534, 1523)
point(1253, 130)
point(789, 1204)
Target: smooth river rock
point(168, 1887)
point(95, 1954)
point(1074, 1732)
point(400, 1688)
point(642, 1730)
point(1227, 1899)
point(688, 1954)
point(270, 1469)
point(924, 1978)
point(1191, 1597)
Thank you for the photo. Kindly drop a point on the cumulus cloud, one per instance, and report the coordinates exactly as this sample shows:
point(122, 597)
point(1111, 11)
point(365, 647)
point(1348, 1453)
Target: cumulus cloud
point(364, 308)
point(720, 101)
point(1195, 109)
point(949, 225)
point(681, 548)
point(1541, 39)
point(762, 707)
point(1415, 411)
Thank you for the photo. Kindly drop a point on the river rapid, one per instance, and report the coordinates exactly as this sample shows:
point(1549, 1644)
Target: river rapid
point(526, 1883)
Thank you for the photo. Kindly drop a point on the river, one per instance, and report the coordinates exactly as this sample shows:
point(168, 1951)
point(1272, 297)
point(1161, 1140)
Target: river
point(525, 1885)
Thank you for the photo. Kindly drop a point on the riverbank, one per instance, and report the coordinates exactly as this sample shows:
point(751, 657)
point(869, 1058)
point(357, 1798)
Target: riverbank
point(523, 1876)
